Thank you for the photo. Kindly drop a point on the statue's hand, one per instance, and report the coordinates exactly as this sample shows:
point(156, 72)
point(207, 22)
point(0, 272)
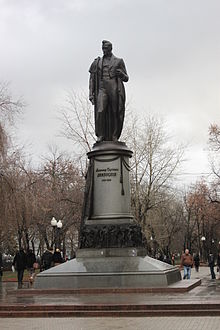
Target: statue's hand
point(91, 99)
point(119, 73)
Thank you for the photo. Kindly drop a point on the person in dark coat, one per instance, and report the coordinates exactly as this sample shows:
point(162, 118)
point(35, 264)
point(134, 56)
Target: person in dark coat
point(57, 258)
point(196, 262)
point(167, 259)
point(20, 262)
point(31, 259)
point(1, 266)
point(211, 260)
point(218, 265)
point(47, 259)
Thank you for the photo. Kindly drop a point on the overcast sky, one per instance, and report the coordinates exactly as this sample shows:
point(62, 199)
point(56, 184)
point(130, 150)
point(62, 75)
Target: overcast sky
point(171, 49)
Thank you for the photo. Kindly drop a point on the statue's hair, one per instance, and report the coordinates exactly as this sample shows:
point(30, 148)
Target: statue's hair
point(107, 42)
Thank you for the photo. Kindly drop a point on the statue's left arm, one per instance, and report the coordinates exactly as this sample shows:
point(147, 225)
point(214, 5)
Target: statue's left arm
point(122, 72)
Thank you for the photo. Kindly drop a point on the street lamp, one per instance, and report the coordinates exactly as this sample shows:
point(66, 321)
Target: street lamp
point(54, 226)
point(203, 249)
point(53, 222)
point(59, 226)
point(152, 247)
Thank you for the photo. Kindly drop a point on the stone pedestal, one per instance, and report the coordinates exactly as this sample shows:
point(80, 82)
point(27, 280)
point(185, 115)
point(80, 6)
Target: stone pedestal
point(108, 222)
point(109, 268)
point(111, 253)
point(111, 189)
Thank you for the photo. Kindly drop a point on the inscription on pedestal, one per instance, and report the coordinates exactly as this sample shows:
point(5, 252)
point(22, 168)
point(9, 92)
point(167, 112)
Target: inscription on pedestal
point(106, 174)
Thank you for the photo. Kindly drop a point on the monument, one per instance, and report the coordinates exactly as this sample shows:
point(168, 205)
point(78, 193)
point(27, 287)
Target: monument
point(111, 252)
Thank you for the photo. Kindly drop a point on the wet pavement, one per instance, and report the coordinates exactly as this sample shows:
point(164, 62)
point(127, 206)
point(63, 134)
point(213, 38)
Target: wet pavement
point(128, 323)
point(207, 292)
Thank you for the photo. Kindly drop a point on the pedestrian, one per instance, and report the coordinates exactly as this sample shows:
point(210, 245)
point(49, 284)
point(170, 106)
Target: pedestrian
point(47, 259)
point(218, 265)
point(161, 257)
point(57, 258)
point(211, 261)
point(19, 263)
point(167, 259)
point(1, 266)
point(31, 260)
point(196, 262)
point(187, 264)
point(173, 259)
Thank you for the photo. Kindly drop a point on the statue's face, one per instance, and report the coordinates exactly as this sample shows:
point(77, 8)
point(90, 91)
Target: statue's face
point(106, 48)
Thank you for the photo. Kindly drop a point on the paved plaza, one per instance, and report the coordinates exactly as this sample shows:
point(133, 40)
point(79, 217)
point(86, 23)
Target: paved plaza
point(208, 291)
point(138, 323)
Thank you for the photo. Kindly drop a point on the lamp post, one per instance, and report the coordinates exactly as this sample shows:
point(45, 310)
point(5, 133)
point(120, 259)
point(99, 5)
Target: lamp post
point(54, 226)
point(59, 226)
point(212, 246)
point(203, 248)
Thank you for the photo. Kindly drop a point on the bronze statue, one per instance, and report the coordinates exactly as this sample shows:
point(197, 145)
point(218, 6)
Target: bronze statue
point(107, 93)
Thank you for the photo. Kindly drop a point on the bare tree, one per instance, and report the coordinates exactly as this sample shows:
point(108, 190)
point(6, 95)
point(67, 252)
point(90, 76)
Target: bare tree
point(202, 218)
point(58, 193)
point(77, 117)
point(154, 164)
point(9, 157)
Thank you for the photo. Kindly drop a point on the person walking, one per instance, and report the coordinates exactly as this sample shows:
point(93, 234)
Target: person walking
point(187, 264)
point(31, 259)
point(1, 266)
point(57, 258)
point(211, 261)
point(218, 265)
point(47, 259)
point(19, 263)
point(196, 262)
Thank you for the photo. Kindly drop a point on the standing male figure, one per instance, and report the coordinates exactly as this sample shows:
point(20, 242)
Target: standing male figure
point(107, 93)
point(187, 263)
point(1, 266)
point(20, 262)
point(47, 259)
point(211, 261)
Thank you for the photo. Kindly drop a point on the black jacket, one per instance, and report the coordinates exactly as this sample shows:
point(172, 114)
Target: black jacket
point(31, 259)
point(196, 260)
point(57, 258)
point(47, 259)
point(211, 260)
point(20, 260)
point(218, 261)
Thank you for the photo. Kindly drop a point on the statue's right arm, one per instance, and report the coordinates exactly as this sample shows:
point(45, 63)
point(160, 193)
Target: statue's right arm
point(91, 88)
point(92, 71)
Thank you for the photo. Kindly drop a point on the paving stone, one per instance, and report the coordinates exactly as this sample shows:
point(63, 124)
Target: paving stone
point(150, 323)
point(207, 292)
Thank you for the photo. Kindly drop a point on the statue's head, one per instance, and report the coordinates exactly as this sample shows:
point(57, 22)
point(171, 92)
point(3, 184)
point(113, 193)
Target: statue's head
point(106, 47)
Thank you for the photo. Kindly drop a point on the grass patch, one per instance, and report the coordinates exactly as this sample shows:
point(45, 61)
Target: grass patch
point(12, 276)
